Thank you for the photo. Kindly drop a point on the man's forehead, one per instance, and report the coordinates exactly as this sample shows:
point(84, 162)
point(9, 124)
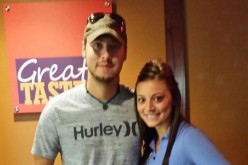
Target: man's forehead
point(107, 37)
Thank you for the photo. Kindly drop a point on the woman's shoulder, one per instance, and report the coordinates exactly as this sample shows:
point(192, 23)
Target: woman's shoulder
point(192, 137)
point(187, 130)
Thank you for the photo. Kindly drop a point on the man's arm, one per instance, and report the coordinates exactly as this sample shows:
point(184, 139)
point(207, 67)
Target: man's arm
point(42, 161)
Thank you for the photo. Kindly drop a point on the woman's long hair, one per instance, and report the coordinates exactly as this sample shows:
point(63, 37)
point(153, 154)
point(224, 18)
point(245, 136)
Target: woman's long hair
point(155, 69)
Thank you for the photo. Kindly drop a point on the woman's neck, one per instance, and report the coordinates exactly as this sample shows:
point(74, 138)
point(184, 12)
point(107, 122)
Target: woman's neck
point(161, 131)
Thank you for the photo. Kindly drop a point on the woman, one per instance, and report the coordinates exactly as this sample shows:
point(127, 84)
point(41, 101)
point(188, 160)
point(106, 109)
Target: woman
point(167, 138)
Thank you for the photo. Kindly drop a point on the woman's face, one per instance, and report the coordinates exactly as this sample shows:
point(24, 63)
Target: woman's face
point(154, 103)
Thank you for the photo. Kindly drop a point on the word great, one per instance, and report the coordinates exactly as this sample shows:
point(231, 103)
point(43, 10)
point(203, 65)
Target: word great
point(41, 79)
point(52, 72)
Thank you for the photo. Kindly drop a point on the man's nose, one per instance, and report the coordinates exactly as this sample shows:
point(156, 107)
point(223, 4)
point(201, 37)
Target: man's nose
point(105, 54)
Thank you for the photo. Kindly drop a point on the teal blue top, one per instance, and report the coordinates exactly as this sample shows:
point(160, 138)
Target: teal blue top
point(191, 147)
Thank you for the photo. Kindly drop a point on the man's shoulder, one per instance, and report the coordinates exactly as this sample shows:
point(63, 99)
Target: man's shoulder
point(71, 93)
point(125, 93)
point(63, 100)
point(126, 90)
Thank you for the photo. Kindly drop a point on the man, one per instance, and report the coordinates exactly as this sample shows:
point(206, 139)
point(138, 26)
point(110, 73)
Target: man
point(95, 122)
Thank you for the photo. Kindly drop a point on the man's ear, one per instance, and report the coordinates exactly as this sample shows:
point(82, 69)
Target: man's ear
point(83, 48)
point(125, 53)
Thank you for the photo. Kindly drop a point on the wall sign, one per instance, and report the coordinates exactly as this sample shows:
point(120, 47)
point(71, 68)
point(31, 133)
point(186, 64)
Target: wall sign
point(44, 45)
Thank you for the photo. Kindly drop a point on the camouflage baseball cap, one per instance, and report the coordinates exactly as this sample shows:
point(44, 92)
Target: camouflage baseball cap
point(103, 23)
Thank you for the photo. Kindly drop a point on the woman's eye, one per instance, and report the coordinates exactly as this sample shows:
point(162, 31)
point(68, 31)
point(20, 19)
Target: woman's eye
point(140, 100)
point(158, 98)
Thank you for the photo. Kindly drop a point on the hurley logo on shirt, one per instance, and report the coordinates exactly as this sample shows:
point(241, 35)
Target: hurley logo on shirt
point(124, 129)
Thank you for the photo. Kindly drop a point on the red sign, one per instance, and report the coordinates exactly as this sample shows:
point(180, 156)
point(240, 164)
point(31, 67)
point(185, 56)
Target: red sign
point(44, 45)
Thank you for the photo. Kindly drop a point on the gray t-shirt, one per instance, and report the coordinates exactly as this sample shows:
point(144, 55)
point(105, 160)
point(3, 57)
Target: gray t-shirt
point(75, 124)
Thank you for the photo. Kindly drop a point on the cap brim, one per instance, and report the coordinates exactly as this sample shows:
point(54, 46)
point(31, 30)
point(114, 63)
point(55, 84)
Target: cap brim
point(102, 31)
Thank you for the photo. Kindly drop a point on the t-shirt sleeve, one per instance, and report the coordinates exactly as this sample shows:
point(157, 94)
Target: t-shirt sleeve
point(46, 143)
point(200, 148)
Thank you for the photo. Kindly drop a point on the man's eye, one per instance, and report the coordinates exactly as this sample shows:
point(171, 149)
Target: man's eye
point(97, 46)
point(113, 47)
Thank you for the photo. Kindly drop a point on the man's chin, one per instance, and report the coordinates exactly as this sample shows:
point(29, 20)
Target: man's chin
point(104, 79)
